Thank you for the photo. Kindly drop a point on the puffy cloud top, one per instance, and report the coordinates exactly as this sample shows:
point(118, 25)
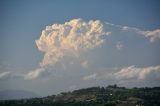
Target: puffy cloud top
point(74, 36)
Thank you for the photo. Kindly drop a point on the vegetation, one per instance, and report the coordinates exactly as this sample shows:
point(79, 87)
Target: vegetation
point(95, 96)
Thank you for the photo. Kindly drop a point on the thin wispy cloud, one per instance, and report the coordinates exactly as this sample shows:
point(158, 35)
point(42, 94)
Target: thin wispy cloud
point(90, 77)
point(5, 75)
point(153, 35)
point(135, 73)
point(8, 75)
point(38, 73)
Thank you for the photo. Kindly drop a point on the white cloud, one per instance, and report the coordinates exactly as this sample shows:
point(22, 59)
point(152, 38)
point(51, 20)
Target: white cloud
point(85, 64)
point(70, 38)
point(127, 28)
point(10, 75)
point(153, 35)
point(5, 75)
point(90, 77)
point(134, 73)
point(119, 45)
point(40, 72)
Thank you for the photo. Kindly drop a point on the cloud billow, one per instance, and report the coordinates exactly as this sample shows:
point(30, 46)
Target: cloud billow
point(73, 37)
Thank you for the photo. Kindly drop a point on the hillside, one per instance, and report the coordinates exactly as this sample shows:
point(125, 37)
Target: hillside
point(95, 96)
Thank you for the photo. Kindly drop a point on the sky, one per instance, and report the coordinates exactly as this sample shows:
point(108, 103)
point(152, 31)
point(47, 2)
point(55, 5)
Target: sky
point(51, 46)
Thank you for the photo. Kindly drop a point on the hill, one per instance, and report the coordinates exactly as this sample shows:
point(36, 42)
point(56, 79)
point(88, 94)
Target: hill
point(95, 96)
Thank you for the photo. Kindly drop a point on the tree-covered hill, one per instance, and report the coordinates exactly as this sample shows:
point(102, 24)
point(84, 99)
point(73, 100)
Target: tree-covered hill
point(95, 96)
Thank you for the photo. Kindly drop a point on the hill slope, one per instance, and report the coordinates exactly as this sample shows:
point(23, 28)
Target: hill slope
point(96, 96)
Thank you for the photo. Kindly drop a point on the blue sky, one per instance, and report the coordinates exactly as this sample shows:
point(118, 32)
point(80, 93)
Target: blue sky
point(22, 21)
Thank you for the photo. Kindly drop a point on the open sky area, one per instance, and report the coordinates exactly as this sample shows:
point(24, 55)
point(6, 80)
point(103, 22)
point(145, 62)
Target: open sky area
point(50, 46)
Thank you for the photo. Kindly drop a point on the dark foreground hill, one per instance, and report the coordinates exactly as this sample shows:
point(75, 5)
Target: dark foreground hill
point(95, 96)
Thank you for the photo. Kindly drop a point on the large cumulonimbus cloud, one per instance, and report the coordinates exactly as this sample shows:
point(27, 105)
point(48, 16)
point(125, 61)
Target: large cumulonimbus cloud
point(70, 38)
point(76, 36)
